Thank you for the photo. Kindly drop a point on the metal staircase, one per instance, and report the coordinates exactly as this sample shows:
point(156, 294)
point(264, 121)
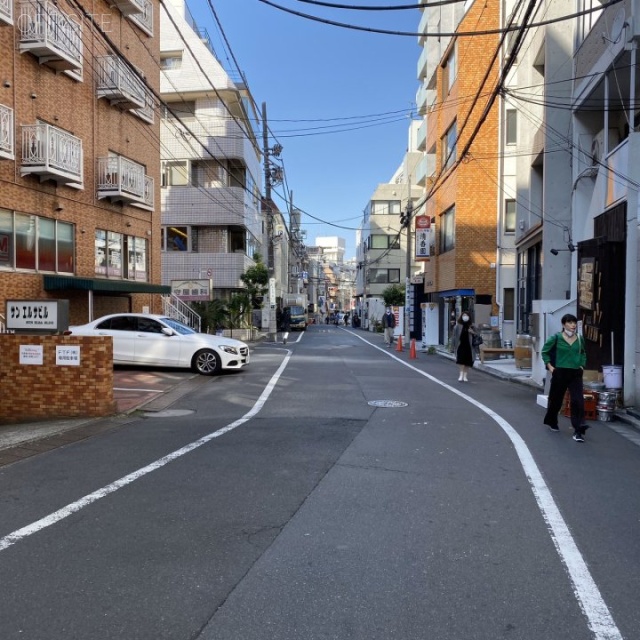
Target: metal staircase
point(174, 308)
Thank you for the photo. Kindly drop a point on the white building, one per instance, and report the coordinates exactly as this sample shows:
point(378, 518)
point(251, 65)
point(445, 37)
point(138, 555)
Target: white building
point(333, 248)
point(211, 219)
point(381, 251)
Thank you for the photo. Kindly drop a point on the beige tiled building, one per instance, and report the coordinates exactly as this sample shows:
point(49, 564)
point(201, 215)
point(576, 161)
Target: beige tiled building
point(212, 224)
point(79, 155)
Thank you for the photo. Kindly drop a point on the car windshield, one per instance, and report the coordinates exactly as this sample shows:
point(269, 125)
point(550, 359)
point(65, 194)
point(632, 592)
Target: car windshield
point(178, 326)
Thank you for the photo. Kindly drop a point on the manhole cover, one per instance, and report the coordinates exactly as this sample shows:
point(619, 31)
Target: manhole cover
point(169, 413)
point(387, 404)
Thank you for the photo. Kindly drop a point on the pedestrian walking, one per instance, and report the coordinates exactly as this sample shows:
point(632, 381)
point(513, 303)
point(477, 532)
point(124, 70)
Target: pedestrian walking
point(564, 356)
point(463, 334)
point(389, 324)
point(285, 324)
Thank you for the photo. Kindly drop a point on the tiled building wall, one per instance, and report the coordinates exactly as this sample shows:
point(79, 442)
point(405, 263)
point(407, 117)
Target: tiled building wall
point(48, 391)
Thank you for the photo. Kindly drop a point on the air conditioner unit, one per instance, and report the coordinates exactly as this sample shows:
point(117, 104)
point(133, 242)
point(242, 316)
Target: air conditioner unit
point(597, 145)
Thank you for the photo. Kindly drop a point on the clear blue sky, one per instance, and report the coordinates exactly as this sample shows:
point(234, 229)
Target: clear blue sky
point(310, 73)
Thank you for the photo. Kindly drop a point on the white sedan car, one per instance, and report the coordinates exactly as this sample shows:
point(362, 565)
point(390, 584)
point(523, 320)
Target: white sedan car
point(154, 340)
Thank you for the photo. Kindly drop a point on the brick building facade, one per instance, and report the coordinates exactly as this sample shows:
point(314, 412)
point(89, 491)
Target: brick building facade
point(79, 154)
point(461, 190)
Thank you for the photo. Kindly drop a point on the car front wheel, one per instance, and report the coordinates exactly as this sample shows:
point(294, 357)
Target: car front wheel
point(206, 362)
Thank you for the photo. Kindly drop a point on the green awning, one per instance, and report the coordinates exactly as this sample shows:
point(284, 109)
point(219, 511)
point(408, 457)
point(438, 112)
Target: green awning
point(62, 283)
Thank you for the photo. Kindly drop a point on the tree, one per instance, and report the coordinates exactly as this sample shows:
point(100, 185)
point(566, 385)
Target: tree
point(238, 309)
point(214, 314)
point(256, 281)
point(394, 295)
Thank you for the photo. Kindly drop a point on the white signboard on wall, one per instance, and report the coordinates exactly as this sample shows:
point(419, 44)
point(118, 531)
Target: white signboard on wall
point(37, 315)
point(31, 354)
point(68, 356)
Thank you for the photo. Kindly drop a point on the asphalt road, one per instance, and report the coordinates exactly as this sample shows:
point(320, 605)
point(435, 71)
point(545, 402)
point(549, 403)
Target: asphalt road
point(277, 503)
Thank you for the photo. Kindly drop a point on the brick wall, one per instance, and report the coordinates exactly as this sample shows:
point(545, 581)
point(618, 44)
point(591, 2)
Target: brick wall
point(50, 391)
point(473, 185)
point(36, 93)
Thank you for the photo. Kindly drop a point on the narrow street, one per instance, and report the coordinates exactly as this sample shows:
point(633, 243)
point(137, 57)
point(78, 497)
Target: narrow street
point(333, 489)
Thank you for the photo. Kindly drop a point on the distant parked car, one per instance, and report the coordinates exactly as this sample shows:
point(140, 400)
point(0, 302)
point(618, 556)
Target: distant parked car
point(154, 340)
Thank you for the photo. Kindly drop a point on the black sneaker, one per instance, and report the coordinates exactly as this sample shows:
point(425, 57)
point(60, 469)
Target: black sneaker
point(554, 427)
point(578, 437)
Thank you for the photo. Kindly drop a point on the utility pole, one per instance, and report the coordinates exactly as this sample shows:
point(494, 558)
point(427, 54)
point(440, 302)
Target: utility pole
point(364, 323)
point(273, 335)
point(407, 296)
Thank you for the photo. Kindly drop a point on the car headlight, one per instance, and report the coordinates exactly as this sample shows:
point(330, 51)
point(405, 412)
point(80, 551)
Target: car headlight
point(229, 349)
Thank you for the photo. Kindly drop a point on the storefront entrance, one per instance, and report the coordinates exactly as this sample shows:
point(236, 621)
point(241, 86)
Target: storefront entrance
point(601, 289)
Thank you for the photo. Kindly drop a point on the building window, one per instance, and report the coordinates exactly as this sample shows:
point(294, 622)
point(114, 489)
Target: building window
point(46, 244)
point(383, 241)
point(206, 173)
point(529, 285)
point(175, 174)
point(108, 253)
point(448, 230)
point(511, 128)
point(36, 243)
point(136, 259)
point(508, 305)
point(451, 68)
point(383, 276)
point(509, 216)
point(449, 146)
point(177, 238)
point(169, 61)
point(385, 207)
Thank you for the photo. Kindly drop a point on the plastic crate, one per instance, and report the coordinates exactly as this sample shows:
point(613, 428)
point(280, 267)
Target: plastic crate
point(590, 403)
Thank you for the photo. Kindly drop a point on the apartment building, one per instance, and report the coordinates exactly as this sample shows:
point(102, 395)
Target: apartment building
point(537, 94)
point(382, 252)
point(211, 174)
point(79, 159)
point(605, 175)
point(459, 171)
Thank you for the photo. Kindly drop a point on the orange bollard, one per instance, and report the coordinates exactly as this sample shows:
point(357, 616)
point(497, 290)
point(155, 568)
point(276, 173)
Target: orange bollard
point(412, 351)
point(399, 347)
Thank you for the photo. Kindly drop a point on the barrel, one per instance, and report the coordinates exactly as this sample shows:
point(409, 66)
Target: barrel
point(491, 339)
point(606, 405)
point(522, 351)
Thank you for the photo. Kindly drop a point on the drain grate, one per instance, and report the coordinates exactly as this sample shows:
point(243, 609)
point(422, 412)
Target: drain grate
point(387, 404)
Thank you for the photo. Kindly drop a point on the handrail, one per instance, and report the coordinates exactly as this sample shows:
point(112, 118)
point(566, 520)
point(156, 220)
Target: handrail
point(175, 308)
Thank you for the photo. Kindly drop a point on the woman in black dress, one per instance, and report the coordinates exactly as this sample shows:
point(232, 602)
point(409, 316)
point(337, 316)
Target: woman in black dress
point(463, 347)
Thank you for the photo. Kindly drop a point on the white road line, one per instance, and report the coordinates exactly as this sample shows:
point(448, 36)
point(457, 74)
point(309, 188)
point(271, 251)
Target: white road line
point(587, 593)
point(68, 510)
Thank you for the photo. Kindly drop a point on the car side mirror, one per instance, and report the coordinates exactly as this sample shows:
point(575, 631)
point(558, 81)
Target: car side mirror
point(168, 332)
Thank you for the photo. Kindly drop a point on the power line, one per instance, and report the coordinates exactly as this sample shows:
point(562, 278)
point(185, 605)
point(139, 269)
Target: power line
point(450, 34)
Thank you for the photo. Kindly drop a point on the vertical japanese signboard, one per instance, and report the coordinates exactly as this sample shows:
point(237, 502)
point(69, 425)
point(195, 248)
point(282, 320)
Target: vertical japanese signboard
point(423, 237)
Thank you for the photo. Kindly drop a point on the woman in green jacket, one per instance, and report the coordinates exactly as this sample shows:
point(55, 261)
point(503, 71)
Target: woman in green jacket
point(564, 357)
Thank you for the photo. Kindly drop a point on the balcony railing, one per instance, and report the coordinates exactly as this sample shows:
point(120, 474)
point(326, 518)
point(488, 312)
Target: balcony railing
point(127, 7)
point(144, 17)
point(146, 113)
point(50, 35)
point(52, 154)
point(117, 82)
point(123, 180)
point(6, 11)
point(7, 148)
